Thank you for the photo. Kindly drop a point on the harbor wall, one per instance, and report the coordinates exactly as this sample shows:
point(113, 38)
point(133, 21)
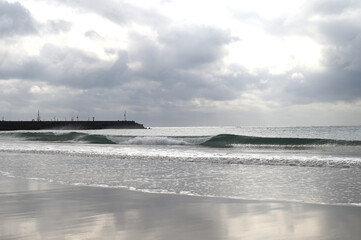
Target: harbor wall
point(68, 125)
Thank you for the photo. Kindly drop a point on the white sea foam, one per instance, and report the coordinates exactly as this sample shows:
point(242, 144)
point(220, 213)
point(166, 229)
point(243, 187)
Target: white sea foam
point(6, 174)
point(165, 152)
point(173, 161)
point(155, 141)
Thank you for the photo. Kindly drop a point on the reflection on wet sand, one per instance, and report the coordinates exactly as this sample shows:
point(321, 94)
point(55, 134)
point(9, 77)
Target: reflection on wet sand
point(39, 210)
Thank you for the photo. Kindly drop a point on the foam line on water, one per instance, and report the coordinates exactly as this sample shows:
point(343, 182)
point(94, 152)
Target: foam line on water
point(155, 141)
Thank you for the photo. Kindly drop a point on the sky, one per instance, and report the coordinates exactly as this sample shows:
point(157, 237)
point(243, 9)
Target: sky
point(182, 62)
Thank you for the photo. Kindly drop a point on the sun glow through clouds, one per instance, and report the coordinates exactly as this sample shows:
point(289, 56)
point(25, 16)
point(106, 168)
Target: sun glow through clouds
point(199, 54)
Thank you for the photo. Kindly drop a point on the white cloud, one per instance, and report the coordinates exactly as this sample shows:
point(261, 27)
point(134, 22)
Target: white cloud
point(297, 76)
point(260, 58)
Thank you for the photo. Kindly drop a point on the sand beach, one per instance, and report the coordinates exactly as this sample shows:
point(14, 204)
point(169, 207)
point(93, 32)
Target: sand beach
point(33, 209)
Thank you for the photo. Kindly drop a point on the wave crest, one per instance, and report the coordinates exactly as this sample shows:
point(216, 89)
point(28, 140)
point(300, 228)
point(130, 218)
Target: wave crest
point(65, 137)
point(228, 140)
point(155, 141)
point(218, 141)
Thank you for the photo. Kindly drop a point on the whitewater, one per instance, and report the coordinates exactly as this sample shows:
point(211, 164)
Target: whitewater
point(307, 164)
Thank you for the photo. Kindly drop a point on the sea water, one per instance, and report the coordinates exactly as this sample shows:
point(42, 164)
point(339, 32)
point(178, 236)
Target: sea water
point(307, 164)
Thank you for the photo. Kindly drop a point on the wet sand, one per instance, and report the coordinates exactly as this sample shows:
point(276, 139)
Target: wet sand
point(32, 209)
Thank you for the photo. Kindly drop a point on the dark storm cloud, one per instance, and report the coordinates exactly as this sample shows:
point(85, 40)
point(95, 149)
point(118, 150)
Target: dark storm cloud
point(74, 68)
point(177, 68)
point(186, 63)
point(194, 46)
point(336, 26)
point(341, 59)
point(322, 20)
point(182, 62)
point(338, 22)
point(333, 7)
point(179, 50)
point(15, 20)
point(63, 66)
point(29, 69)
point(328, 22)
point(331, 86)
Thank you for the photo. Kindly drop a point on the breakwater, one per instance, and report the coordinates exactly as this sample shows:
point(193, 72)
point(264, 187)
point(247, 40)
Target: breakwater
point(68, 125)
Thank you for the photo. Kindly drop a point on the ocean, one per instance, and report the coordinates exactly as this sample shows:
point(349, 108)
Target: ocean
point(319, 165)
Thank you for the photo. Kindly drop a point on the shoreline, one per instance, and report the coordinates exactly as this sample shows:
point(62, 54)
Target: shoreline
point(220, 198)
point(32, 209)
point(146, 191)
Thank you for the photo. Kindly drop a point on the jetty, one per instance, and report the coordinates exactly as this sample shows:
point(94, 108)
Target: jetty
point(68, 125)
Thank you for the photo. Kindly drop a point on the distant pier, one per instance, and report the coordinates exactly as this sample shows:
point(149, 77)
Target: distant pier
point(68, 125)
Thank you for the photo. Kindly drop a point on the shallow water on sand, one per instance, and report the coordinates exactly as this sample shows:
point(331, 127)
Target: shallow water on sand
point(39, 210)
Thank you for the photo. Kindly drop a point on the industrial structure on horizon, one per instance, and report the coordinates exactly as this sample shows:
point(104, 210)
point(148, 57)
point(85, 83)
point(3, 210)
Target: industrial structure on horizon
point(68, 125)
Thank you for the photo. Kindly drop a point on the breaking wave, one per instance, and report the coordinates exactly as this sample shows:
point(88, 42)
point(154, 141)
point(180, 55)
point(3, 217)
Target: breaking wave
point(65, 137)
point(218, 141)
point(246, 150)
point(155, 141)
point(229, 140)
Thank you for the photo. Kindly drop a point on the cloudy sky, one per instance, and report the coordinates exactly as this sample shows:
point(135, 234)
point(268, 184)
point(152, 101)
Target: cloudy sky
point(182, 62)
